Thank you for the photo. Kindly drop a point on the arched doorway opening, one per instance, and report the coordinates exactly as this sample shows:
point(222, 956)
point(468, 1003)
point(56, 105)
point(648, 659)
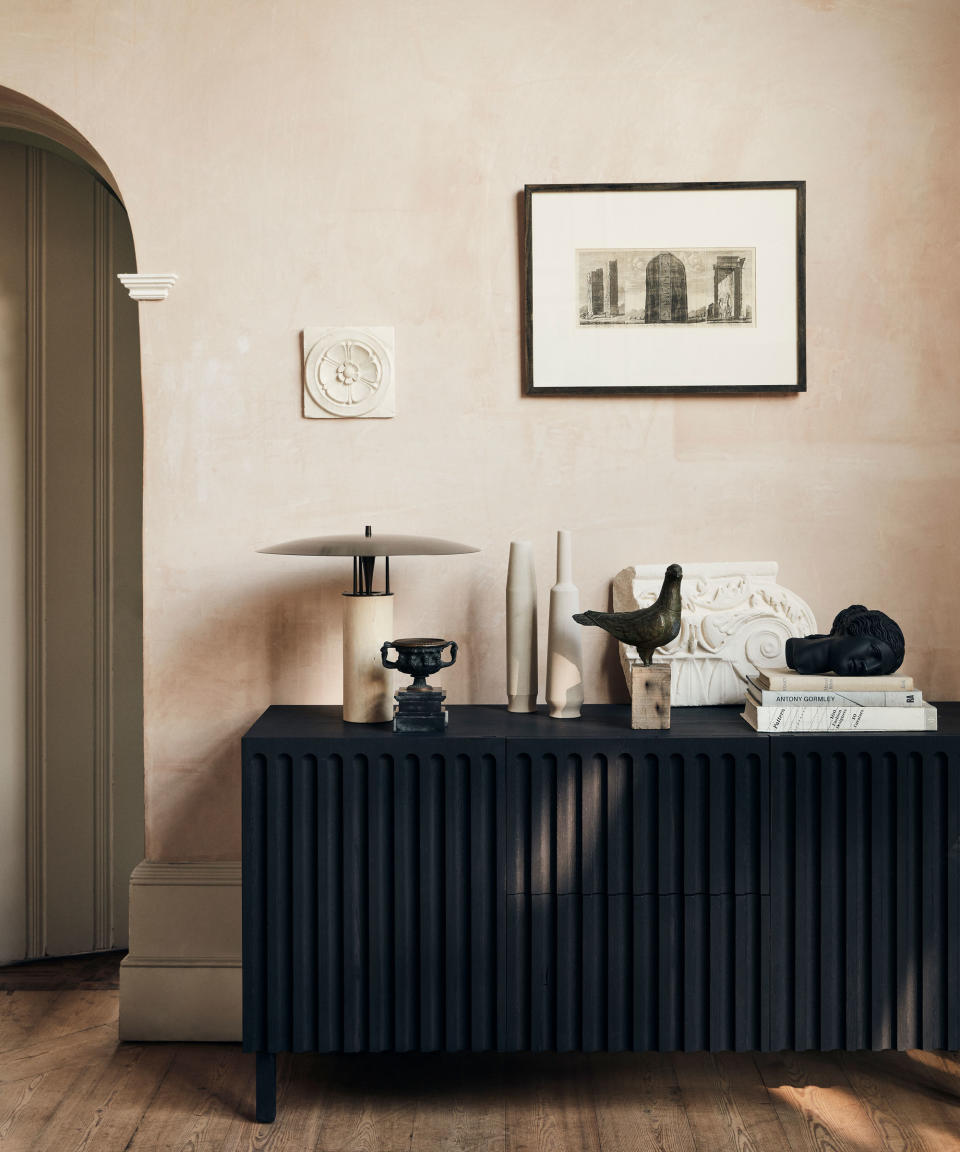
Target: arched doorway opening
point(71, 706)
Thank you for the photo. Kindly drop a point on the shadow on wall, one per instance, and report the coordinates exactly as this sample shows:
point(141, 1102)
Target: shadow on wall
point(279, 644)
point(194, 800)
point(611, 670)
point(292, 629)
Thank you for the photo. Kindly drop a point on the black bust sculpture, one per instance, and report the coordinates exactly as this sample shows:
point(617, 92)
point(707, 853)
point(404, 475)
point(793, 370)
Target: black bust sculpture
point(862, 642)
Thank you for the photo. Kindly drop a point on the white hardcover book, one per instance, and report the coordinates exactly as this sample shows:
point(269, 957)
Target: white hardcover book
point(923, 719)
point(786, 680)
point(767, 698)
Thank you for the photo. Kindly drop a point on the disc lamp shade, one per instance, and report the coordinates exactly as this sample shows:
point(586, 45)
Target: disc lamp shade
point(367, 612)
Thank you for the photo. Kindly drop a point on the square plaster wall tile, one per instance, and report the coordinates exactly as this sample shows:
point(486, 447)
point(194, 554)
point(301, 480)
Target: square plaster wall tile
point(349, 373)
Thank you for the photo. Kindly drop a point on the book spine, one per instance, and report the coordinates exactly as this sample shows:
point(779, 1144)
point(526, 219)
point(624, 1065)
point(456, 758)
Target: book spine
point(838, 699)
point(780, 682)
point(843, 719)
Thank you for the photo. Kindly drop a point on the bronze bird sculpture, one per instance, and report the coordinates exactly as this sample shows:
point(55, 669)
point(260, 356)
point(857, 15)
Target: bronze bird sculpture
point(648, 628)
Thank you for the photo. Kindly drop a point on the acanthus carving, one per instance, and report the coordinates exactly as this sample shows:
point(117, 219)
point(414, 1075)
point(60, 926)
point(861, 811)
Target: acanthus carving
point(736, 618)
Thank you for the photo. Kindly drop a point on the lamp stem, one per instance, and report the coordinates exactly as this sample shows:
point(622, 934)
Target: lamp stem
point(367, 565)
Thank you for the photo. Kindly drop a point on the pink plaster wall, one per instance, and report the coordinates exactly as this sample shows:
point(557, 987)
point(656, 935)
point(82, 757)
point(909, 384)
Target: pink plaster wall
point(358, 162)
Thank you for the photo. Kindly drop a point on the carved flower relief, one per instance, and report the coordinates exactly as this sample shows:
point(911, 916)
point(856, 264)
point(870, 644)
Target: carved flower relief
point(348, 372)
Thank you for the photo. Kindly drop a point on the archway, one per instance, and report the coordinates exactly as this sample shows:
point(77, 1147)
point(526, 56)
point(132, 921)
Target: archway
point(71, 708)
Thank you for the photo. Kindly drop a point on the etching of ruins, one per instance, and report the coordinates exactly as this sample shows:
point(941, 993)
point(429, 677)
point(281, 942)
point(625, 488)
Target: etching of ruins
point(634, 286)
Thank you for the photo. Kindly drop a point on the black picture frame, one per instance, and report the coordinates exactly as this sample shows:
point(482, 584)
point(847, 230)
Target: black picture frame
point(555, 290)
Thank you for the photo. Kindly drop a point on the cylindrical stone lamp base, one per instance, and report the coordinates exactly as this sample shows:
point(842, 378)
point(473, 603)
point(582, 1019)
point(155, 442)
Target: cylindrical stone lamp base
point(367, 685)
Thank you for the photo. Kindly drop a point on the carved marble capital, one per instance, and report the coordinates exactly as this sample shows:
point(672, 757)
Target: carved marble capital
point(735, 620)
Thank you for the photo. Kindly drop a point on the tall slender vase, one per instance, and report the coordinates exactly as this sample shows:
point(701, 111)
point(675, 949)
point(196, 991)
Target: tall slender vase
point(521, 629)
point(564, 649)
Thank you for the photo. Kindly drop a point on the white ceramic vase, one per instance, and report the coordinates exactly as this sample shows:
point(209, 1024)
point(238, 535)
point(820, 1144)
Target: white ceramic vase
point(564, 647)
point(521, 629)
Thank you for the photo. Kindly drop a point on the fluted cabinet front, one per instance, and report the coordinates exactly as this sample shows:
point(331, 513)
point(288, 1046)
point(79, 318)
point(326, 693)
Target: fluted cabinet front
point(636, 903)
point(375, 878)
point(527, 884)
point(865, 892)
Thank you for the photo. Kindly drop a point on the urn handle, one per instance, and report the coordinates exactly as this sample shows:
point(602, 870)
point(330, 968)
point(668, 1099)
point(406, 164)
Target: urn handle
point(452, 644)
point(383, 655)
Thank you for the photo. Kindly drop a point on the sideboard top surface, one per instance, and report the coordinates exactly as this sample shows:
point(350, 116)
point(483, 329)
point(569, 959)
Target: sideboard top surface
point(493, 721)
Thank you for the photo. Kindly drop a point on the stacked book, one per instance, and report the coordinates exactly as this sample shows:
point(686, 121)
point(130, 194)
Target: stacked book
point(780, 700)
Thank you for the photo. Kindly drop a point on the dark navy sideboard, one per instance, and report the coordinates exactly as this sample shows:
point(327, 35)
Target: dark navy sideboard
point(522, 883)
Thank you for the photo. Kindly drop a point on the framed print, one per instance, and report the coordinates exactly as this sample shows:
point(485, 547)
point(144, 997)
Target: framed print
point(641, 289)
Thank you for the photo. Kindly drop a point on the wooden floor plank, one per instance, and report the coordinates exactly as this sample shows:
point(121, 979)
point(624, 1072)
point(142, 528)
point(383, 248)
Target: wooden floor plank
point(27, 1105)
point(78, 1048)
point(105, 1104)
point(780, 1079)
point(301, 1097)
point(549, 1104)
point(921, 1090)
point(741, 1077)
point(228, 1124)
point(936, 1072)
point(371, 1102)
point(950, 1061)
point(638, 1103)
point(68, 1012)
point(20, 1014)
point(55, 1131)
point(814, 1087)
point(201, 1092)
point(461, 1107)
point(892, 1108)
point(66, 1083)
point(726, 1105)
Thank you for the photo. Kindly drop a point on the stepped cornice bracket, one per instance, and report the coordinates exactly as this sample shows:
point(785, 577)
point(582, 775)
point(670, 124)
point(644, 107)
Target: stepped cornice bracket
point(147, 285)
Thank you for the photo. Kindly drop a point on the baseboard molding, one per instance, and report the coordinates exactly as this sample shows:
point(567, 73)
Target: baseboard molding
point(182, 978)
point(210, 872)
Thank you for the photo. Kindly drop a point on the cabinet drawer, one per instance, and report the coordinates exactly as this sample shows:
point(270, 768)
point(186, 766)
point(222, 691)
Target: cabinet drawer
point(600, 820)
point(642, 973)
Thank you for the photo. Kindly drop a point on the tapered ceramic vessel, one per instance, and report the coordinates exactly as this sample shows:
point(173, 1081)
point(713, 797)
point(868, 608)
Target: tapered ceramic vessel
point(564, 649)
point(521, 629)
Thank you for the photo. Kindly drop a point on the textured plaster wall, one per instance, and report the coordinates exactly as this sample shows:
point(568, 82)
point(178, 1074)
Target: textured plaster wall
point(356, 161)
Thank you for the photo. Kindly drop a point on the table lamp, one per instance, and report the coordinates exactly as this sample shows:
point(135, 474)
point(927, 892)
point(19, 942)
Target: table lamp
point(368, 614)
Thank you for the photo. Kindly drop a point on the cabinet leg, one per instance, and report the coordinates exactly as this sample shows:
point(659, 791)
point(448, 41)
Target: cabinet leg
point(266, 1087)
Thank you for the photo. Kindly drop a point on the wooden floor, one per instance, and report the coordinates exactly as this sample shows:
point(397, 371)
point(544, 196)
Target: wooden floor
point(66, 1085)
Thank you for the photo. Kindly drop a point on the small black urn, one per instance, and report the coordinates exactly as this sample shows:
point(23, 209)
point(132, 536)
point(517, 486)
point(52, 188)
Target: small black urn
point(419, 706)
